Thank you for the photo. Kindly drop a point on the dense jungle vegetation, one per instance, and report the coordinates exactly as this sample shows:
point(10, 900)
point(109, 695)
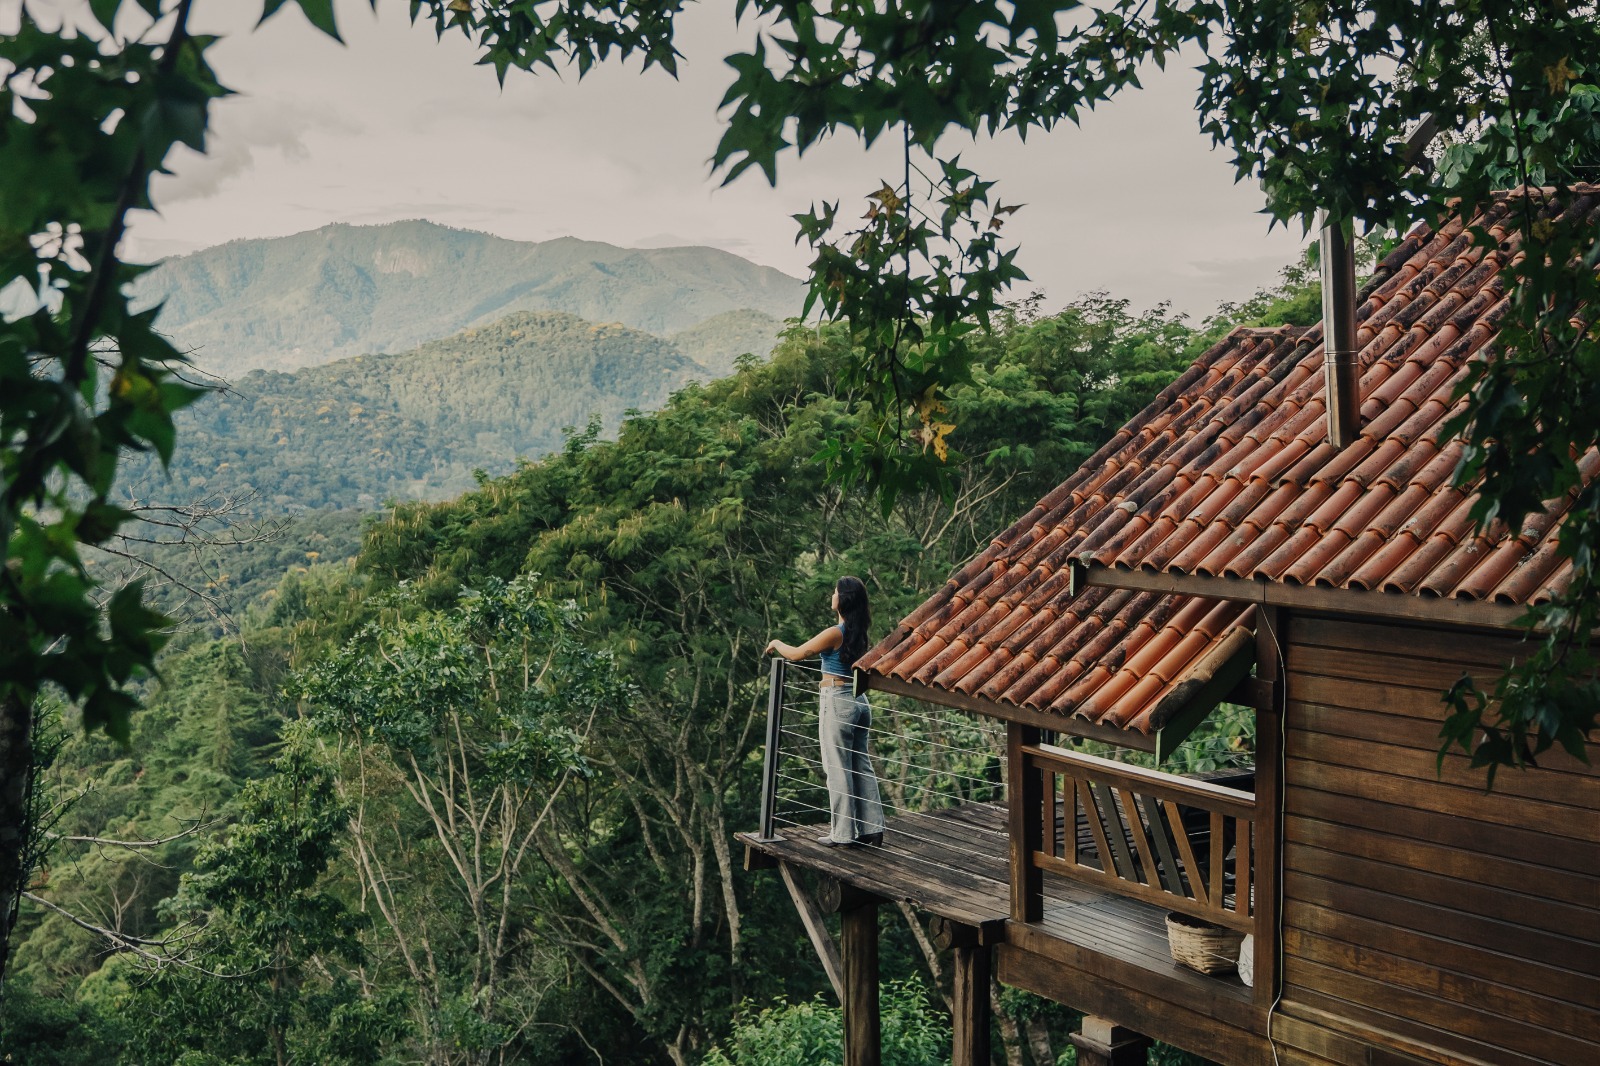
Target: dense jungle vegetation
point(471, 798)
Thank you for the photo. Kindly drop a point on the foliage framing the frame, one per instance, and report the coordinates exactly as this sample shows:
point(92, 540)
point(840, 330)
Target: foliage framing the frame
point(87, 115)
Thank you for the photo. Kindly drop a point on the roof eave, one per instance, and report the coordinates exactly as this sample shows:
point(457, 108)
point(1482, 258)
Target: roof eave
point(1060, 723)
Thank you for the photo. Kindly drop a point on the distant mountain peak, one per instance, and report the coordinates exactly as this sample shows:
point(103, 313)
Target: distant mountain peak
point(347, 289)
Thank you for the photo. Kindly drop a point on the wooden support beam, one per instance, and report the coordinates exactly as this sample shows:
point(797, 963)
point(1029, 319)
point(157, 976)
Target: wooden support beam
point(812, 918)
point(863, 1036)
point(835, 896)
point(969, 1004)
point(1104, 1043)
point(756, 859)
point(947, 933)
point(1006, 712)
point(1434, 610)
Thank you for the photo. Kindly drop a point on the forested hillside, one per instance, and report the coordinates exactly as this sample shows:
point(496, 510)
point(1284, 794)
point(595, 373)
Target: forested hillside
point(339, 291)
point(472, 800)
point(718, 341)
point(414, 425)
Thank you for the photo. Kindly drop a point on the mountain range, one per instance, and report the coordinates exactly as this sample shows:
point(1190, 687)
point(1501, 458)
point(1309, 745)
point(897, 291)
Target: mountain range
point(413, 425)
point(308, 299)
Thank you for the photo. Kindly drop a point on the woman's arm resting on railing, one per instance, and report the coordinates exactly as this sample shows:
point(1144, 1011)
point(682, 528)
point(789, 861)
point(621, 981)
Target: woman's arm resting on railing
point(828, 638)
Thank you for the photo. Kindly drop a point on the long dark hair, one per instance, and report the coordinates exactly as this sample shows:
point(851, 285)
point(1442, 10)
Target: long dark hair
point(857, 619)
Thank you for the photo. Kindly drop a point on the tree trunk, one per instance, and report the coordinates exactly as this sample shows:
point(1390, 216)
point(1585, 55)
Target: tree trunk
point(1038, 1033)
point(1010, 1034)
point(16, 772)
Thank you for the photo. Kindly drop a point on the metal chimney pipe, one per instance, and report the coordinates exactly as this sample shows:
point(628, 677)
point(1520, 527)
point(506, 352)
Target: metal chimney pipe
point(1342, 371)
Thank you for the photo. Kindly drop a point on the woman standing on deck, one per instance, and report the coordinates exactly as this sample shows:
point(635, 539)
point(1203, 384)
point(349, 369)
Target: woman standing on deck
point(855, 812)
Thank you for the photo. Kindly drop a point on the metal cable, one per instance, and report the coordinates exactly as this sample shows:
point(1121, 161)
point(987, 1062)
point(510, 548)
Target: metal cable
point(944, 845)
point(932, 774)
point(813, 716)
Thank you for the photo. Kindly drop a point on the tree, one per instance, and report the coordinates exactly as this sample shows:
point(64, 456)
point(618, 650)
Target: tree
point(85, 120)
point(1316, 101)
point(277, 962)
point(458, 731)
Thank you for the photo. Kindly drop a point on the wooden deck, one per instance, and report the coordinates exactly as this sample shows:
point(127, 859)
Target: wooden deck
point(954, 864)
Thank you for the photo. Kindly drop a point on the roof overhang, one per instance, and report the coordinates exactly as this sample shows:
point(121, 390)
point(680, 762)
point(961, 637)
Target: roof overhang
point(1218, 676)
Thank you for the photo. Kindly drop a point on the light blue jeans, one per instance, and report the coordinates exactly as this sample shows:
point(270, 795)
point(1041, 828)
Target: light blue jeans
point(855, 810)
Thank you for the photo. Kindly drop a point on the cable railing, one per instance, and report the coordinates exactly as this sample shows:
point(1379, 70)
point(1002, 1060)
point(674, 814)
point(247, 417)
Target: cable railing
point(924, 763)
point(1182, 843)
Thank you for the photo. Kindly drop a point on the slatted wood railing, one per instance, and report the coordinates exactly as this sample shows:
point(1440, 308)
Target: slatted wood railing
point(1185, 845)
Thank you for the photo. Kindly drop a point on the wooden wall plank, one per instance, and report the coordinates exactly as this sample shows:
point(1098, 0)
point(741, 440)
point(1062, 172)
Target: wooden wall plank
point(1370, 695)
point(1447, 645)
point(1506, 905)
point(1514, 971)
point(1445, 799)
point(1466, 864)
point(1547, 949)
point(1541, 882)
point(1560, 790)
point(1316, 1043)
point(1446, 1046)
point(1443, 981)
point(1399, 702)
point(1461, 922)
point(1401, 671)
point(1454, 1019)
point(1521, 844)
point(1341, 1039)
point(1383, 727)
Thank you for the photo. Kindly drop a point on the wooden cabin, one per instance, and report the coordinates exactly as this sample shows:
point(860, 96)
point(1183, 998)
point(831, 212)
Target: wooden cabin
point(1221, 548)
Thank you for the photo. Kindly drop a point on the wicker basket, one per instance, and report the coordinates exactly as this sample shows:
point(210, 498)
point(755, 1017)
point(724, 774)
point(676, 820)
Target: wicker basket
point(1201, 945)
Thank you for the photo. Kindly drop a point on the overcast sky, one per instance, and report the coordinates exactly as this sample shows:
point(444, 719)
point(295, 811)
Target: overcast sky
point(397, 125)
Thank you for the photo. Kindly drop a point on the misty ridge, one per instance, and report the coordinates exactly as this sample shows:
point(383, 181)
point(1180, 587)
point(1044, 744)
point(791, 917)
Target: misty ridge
point(314, 297)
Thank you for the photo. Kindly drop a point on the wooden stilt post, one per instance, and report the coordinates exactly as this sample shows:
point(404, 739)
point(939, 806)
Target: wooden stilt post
point(971, 975)
point(862, 1028)
point(969, 1006)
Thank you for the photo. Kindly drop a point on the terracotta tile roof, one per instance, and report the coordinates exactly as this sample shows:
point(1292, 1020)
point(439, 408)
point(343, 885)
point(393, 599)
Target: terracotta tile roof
point(1229, 473)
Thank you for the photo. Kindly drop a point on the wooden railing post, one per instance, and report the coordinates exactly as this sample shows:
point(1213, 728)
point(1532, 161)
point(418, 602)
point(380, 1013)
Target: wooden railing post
point(769, 762)
point(1025, 795)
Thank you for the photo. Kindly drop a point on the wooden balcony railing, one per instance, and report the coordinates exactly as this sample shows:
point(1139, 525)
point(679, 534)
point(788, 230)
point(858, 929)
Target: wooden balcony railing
point(1185, 845)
